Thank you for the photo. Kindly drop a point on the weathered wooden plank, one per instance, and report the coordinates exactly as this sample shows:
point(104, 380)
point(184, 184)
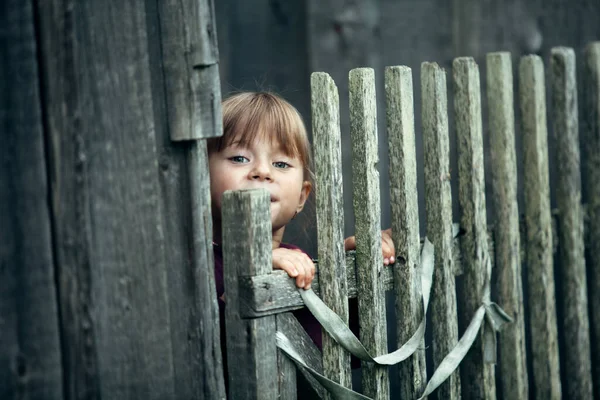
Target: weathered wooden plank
point(330, 217)
point(591, 183)
point(190, 59)
point(303, 344)
point(185, 195)
point(247, 250)
point(341, 35)
point(438, 209)
point(573, 303)
point(477, 377)
point(367, 216)
point(400, 118)
point(30, 353)
point(513, 370)
point(539, 239)
point(109, 242)
point(203, 344)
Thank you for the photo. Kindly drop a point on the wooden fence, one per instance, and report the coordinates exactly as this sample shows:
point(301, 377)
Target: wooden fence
point(106, 267)
point(549, 349)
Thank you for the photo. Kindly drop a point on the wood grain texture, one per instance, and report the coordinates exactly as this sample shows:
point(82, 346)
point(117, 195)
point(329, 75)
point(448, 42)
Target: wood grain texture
point(106, 203)
point(477, 377)
point(574, 302)
point(187, 223)
point(277, 292)
point(590, 138)
point(247, 250)
point(330, 217)
point(438, 208)
point(367, 216)
point(190, 59)
point(539, 240)
point(30, 352)
point(200, 311)
point(412, 373)
point(513, 370)
point(342, 35)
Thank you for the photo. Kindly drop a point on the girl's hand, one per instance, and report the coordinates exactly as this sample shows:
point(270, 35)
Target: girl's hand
point(297, 265)
point(387, 246)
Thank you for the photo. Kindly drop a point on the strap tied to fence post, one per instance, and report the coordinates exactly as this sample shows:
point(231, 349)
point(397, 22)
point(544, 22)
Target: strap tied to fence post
point(489, 314)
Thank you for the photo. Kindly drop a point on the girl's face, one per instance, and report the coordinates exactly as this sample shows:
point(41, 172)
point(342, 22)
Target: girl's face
point(261, 164)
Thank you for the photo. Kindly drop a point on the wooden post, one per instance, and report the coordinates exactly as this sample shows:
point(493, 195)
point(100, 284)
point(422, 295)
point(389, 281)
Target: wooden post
point(513, 370)
point(31, 365)
point(247, 251)
point(438, 208)
point(189, 107)
point(477, 377)
point(367, 212)
point(538, 221)
point(405, 224)
point(591, 182)
point(573, 304)
point(330, 217)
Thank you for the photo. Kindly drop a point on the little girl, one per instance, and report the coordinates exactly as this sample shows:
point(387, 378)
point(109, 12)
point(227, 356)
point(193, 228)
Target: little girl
point(265, 145)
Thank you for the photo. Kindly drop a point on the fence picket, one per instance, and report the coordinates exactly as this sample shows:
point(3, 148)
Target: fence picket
point(330, 217)
point(591, 181)
point(405, 223)
point(477, 378)
point(573, 302)
point(438, 209)
point(513, 369)
point(538, 220)
point(251, 348)
point(367, 214)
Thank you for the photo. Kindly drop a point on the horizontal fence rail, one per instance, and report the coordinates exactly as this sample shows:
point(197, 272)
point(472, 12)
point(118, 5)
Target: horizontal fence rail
point(488, 258)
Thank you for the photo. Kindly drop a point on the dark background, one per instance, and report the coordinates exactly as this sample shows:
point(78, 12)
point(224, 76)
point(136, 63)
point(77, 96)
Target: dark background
point(277, 44)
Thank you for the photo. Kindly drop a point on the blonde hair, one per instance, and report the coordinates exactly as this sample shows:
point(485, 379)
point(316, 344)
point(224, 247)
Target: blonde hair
point(249, 115)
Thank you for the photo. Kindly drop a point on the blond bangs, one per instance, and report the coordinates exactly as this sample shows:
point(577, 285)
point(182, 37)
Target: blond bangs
point(251, 116)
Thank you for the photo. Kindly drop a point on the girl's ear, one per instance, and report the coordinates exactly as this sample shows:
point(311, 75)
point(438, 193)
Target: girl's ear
point(304, 193)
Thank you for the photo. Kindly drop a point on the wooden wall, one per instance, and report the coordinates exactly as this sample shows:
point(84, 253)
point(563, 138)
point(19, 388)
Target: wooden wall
point(102, 294)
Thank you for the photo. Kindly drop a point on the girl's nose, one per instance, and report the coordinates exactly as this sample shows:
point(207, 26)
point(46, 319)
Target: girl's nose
point(261, 172)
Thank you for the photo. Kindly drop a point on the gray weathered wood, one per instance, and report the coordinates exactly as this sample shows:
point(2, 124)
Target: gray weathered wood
point(276, 292)
point(190, 57)
point(538, 219)
point(405, 224)
point(30, 343)
point(203, 336)
point(106, 199)
point(187, 226)
point(590, 138)
point(341, 35)
point(367, 216)
point(513, 370)
point(330, 217)
point(438, 208)
point(573, 302)
point(478, 379)
point(303, 344)
point(247, 250)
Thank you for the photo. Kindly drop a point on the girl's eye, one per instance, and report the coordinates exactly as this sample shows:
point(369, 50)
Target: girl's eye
point(239, 159)
point(281, 164)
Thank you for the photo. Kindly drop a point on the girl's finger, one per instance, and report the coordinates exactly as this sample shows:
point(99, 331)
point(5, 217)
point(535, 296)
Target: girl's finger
point(286, 266)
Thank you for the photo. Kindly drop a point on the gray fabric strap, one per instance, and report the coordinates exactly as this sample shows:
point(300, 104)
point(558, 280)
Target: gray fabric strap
point(335, 389)
point(334, 325)
point(489, 314)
